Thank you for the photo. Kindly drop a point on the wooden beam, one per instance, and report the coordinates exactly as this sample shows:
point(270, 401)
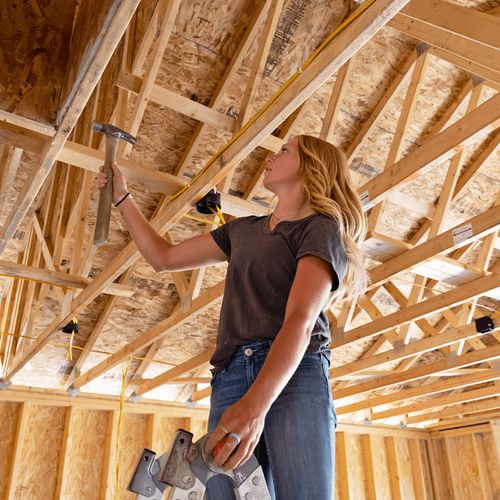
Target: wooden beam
point(487, 404)
point(57, 278)
point(393, 469)
point(368, 469)
point(65, 454)
point(109, 457)
point(453, 459)
point(173, 373)
point(463, 424)
point(178, 103)
point(455, 382)
point(58, 398)
point(332, 112)
point(438, 402)
point(202, 394)
point(171, 8)
point(480, 226)
point(26, 123)
point(420, 346)
point(159, 330)
point(490, 147)
point(342, 471)
point(16, 458)
point(483, 119)
point(419, 372)
point(381, 105)
point(107, 42)
point(256, 72)
point(419, 310)
point(495, 434)
point(342, 48)
point(454, 29)
point(417, 469)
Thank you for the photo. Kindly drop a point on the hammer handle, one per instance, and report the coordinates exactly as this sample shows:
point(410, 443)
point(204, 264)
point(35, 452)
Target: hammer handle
point(106, 195)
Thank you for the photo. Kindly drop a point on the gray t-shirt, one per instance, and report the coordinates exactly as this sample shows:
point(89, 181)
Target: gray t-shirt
point(262, 266)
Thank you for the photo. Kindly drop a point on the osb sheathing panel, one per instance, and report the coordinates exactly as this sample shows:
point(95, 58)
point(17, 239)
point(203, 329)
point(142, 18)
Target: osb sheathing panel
point(131, 444)
point(35, 41)
point(85, 460)
point(40, 451)
point(404, 468)
point(441, 478)
point(354, 465)
point(380, 468)
point(166, 428)
point(492, 459)
point(467, 468)
point(9, 418)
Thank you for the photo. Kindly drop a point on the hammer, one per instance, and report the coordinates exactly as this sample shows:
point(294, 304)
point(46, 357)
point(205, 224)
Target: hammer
point(113, 135)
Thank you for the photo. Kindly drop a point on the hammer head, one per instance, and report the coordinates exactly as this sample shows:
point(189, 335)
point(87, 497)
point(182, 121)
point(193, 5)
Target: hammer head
point(112, 131)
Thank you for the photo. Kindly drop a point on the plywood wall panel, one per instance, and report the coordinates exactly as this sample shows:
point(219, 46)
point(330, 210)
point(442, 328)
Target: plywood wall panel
point(9, 415)
point(493, 462)
point(404, 468)
point(355, 466)
point(382, 486)
point(40, 453)
point(441, 478)
point(199, 428)
point(166, 430)
point(86, 454)
point(469, 483)
point(131, 444)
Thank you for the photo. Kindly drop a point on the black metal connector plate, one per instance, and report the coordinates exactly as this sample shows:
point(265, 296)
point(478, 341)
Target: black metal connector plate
point(484, 324)
point(209, 203)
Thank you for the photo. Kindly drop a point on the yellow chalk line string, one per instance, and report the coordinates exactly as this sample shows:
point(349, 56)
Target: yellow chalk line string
point(119, 426)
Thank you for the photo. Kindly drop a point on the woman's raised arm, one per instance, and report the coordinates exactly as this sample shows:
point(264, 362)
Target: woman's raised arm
point(192, 253)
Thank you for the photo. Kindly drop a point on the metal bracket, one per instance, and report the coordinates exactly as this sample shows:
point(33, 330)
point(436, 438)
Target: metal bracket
point(5, 384)
point(72, 391)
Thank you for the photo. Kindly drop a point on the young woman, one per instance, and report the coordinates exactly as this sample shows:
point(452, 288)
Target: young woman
point(270, 388)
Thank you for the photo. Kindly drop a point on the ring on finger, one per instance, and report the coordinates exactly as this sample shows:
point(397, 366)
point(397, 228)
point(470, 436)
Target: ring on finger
point(236, 437)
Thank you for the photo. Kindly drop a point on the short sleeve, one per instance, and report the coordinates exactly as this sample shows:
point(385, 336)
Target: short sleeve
point(222, 237)
point(321, 238)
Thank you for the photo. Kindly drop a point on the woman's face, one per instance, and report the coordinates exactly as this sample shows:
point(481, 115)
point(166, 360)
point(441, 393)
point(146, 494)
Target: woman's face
point(283, 166)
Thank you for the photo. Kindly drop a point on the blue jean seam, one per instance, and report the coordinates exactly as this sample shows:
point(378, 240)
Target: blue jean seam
point(269, 458)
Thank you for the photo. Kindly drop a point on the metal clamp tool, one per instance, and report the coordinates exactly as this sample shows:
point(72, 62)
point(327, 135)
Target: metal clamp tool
point(187, 468)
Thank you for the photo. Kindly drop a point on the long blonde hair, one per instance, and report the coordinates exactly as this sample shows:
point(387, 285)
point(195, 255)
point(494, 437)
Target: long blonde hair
point(324, 174)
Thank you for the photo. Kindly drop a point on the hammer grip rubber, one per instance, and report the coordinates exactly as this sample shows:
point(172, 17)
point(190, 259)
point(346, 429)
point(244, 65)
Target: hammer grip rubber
point(106, 195)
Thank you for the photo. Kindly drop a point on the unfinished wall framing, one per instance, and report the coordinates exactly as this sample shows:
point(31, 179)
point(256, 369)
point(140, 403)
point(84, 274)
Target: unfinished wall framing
point(412, 96)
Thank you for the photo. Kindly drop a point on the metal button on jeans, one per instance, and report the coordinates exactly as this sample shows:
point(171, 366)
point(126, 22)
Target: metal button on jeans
point(248, 352)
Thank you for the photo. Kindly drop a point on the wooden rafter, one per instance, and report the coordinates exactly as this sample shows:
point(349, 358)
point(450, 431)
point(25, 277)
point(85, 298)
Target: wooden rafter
point(454, 29)
point(448, 383)
point(419, 372)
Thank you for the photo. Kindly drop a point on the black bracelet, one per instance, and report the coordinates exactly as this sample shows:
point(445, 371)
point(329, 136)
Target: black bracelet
point(123, 199)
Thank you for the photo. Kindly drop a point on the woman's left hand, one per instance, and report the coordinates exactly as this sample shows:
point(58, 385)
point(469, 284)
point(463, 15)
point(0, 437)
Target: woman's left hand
point(245, 419)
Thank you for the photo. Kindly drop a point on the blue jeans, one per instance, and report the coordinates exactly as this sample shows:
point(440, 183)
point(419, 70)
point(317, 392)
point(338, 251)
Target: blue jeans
point(297, 447)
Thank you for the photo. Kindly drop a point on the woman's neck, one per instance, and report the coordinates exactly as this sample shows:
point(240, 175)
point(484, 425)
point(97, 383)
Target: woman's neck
point(291, 208)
